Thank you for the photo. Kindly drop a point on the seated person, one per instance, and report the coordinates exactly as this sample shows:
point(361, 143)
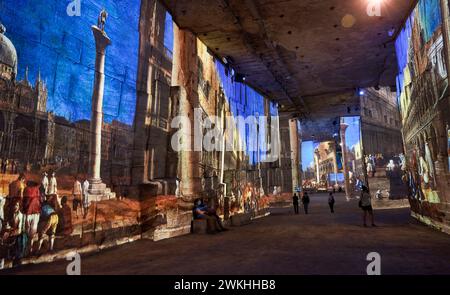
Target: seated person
point(201, 211)
point(49, 222)
point(12, 233)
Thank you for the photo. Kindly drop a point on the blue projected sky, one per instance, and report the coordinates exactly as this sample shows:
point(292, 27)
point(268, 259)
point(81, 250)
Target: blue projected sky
point(244, 101)
point(352, 135)
point(307, 154)
point(63, 48)
point(168, 32)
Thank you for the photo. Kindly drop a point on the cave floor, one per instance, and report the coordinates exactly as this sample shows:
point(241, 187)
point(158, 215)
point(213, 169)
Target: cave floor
point(282, 243)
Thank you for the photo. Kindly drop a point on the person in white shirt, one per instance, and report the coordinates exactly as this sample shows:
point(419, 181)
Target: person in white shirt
point(85, 189)
point(77, 193)
point(45, 183)
point(53, 185)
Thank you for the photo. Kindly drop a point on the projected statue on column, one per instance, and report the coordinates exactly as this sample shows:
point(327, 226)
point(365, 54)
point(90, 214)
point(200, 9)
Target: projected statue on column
point(97, 188)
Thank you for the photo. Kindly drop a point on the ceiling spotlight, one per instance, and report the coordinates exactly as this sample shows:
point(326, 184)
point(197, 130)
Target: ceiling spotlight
point(391, 32)
point(239, 78)
point(361, 92)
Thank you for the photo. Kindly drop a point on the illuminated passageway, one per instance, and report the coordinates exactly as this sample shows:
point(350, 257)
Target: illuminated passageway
point(282, 243)
point(120, 121)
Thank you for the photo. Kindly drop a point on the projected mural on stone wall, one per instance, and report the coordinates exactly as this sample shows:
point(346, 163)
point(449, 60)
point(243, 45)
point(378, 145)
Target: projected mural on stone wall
point(421, 85)
point(55, 81)
point(323, 168)
point(352, 152)
point(47, 87)
point(383, 143)
point(84, 170)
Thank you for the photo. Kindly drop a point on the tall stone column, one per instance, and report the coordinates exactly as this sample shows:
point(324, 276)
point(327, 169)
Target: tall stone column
point(445, 31)
point(344, 127)
point(293, 137)
point(101, 42)
point(316, 162)
point(300, 162)
point(185, 76)
point(151, 40)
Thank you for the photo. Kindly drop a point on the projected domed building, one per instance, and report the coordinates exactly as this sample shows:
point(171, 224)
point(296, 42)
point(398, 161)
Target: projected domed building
point(26, 128)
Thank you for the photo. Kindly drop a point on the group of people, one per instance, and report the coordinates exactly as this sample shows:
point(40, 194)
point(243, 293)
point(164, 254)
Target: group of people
point(365, 203)
point(30, 213)
point(372, 162)
point(9, 166)
point(305, 201)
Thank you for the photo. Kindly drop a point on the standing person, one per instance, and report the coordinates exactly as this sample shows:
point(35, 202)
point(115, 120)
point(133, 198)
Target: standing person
point(45, 183)
point(16, 189)
point(85, 189)
point(49, 222)
point(295, 200)
point(76, 192)
point(31, 207)
point(366, 205)
point(331, 202)
point(53, 185)
point(13, 166)
point(305, 201)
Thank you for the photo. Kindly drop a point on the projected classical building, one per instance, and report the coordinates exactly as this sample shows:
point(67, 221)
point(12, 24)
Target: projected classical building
point(26, 128)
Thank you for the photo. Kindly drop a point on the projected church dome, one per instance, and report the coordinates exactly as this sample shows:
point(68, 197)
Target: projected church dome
point(8, 56)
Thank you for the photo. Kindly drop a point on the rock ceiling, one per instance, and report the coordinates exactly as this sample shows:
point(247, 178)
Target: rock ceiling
point(311, 56)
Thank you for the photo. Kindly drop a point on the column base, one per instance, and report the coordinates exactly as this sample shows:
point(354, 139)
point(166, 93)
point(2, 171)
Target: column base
point(98, 191)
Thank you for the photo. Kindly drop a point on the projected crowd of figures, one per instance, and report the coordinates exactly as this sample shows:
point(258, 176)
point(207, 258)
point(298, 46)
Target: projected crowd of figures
point(422, 86)
point(383, 144)
point(324, 163)
point(70, 178)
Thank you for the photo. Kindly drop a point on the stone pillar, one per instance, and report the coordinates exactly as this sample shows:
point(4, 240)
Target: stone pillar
point(445, 32)
point(344, 160)
point(151, 40)
point(300, 163)
point(185, 75)
point(293, 137)
point(332, 147)
point(101, 42)
point(316, 162)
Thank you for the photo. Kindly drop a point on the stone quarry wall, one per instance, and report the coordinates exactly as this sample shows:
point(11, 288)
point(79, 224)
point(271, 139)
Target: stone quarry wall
point(144, 91)
point(424, 105)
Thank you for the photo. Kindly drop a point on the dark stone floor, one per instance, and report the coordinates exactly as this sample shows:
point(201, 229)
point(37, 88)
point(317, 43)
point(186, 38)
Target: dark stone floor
point(283, 243)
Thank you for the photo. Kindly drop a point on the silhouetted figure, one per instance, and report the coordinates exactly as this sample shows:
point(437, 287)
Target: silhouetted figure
point(295, 200)
point(331, 202)
point(366, 205)
point(305, 201)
